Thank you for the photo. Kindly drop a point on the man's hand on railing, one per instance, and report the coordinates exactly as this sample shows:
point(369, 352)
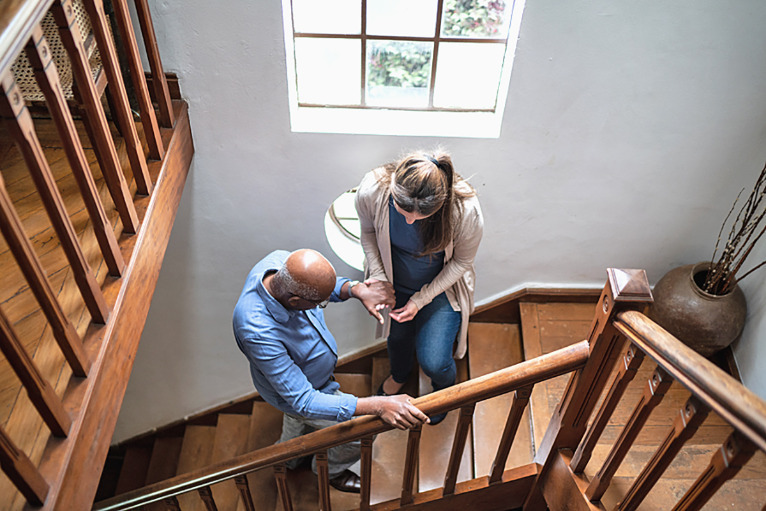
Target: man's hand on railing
point(396, 411)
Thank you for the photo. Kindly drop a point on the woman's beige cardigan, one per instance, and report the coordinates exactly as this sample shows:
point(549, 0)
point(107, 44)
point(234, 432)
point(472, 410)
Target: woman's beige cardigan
point(456, 278)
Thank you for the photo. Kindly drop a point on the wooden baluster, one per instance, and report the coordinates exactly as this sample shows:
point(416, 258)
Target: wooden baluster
point(63, 331)
point(148, 119)
point(207, 498)
point(655, 390)
point(280, 476)
point(159, 81)
point(94, 117)
point(244, 490)
point(22, 473)
point(19, 123)
point(631, 361)
point(47, 78)
point(366, 475)
point(686, 423)
point(735, 452)
point(323, 480)
point(95, 9)
point(625, 289)
point(40, 392)
point(171, 503)
point(410, 464)
point(520, 401)
point(458, 445)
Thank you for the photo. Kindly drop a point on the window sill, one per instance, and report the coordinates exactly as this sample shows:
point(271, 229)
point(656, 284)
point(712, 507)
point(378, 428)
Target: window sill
point(396, 122)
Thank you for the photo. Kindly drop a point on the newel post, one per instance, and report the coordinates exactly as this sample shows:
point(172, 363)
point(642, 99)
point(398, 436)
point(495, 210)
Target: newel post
point(625, 289)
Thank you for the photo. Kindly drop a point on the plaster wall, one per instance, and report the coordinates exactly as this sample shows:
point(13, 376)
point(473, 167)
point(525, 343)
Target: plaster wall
point(750, 349)
point(629, 129)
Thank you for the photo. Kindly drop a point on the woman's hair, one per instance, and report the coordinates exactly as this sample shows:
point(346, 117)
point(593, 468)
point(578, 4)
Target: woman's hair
point(426, 183)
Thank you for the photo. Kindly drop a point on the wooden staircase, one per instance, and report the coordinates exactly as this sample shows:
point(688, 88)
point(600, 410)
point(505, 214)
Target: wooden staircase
point(87, 204)
point(257, 424)
point(544, 327)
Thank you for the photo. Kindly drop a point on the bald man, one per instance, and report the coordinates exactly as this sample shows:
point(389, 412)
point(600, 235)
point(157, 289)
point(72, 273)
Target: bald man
point(279, 326)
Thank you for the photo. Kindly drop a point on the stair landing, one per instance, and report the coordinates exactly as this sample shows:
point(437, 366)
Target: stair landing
point(549, 326)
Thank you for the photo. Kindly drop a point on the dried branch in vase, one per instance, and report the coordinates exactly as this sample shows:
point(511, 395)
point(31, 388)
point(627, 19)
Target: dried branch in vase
point(744, 233)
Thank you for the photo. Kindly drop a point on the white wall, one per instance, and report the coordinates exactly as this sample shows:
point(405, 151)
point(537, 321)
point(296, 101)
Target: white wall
point(750, 349)
point(629, 128)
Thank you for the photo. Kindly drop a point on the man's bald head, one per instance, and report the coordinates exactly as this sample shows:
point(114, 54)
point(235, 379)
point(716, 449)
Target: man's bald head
point(306, 274)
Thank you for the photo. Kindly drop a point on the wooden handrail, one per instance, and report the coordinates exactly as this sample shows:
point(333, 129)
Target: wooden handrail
point(737, 405)
point(506, 380)
point(17, 20)
point(98, 338)
point(560, 484)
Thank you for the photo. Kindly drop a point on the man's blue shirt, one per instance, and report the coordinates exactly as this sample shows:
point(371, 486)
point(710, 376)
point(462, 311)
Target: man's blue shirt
point(292, 354)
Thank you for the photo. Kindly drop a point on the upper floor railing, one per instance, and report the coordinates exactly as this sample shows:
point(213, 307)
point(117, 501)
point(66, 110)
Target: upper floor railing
point(58, 59)
point(619, 332)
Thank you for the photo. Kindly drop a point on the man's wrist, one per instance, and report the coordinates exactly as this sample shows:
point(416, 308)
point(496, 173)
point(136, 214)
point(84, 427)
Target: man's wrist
point(351, 285)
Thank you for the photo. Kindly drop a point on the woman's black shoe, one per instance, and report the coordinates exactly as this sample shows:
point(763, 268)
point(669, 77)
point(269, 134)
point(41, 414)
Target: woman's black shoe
point(437, 418)
point(380, 391)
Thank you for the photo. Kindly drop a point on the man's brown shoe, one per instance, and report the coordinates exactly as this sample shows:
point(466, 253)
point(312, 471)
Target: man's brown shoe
point(347, 481)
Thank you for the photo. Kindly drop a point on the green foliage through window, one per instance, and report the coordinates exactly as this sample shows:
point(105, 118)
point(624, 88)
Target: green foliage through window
point(477, 18)
point(399, 64)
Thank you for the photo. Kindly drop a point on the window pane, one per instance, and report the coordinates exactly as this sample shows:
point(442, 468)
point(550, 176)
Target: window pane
point(468, 75)
point(345, 213)
point(384, 17)
point(327, 16)
point(398, 73)
point(329, 71)
point(476, 18)
point(344, 206)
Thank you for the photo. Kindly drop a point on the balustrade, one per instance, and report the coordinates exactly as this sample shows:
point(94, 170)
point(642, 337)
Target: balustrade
point(619, 333)
point(52, 78)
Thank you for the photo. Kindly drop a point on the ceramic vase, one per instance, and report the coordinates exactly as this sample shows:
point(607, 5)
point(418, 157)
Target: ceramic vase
point(705, 322)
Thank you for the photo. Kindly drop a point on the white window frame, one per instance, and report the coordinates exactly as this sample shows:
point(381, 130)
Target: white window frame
point(369, 121)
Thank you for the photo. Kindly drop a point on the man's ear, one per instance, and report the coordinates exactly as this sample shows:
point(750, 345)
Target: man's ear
point(294, 301)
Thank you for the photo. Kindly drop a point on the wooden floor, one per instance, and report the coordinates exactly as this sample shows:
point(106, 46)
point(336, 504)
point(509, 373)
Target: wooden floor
point(17, 416)
point(547, 327)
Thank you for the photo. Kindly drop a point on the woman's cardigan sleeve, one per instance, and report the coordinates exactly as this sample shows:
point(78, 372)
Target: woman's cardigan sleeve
point(366, 203)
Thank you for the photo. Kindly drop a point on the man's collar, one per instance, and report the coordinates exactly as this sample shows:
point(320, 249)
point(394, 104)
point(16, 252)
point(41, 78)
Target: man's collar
point(276, 309)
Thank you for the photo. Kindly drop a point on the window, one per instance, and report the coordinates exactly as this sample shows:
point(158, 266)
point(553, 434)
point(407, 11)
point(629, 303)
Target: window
point(341, 226)
point(400, 67)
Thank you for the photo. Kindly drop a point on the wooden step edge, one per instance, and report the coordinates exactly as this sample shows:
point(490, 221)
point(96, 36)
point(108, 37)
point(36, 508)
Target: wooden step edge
point(231, 438)
point(134, 469)
point(164, 460)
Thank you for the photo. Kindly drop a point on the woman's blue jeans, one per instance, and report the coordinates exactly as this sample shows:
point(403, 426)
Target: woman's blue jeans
point(430, 336)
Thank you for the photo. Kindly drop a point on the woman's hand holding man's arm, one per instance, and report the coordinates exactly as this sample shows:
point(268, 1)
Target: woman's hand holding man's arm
point(374, 295)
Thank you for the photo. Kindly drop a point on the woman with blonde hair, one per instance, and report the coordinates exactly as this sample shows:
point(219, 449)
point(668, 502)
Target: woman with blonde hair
point(421, 226)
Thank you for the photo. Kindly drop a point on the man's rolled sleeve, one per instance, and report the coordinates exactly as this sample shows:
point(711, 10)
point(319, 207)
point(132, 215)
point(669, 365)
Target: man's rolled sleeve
point(278, 378)
point(339, 281)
